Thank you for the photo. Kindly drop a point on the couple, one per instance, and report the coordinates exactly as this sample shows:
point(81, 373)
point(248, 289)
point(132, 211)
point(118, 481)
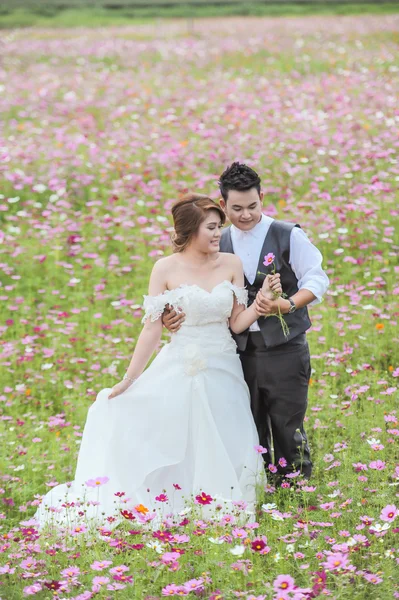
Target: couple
point(184, 426)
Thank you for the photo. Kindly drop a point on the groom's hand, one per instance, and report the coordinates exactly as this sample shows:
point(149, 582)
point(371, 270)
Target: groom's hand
point(265, 306)
point(275, 284)
point(172, 320)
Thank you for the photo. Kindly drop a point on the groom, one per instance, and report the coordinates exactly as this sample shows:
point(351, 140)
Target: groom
point(276, 368)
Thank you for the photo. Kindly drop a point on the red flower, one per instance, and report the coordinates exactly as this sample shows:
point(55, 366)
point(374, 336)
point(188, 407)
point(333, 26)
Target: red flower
point(258, 545)
point(203, 498)
point(136, 546)
point(128, 515)
point(162, 535)
point(52, 585)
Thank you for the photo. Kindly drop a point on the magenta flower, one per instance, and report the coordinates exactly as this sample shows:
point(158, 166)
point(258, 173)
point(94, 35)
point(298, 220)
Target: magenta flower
point(97, 481)
point(260, 449)
point(284, 583)
point(161, 498)
point(389, 513)
point(203, 498)
point(269, 259)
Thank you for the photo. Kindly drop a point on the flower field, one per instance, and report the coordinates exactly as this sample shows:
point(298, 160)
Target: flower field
point(101, 130)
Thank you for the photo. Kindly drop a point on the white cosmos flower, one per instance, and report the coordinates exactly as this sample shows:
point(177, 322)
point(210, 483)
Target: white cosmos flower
point(373, 441)
point(155, 545)
point(378, 527)
point(268, 507)
point(237, 550)
point(185, 511)
point(277, 517)
point(216, 540)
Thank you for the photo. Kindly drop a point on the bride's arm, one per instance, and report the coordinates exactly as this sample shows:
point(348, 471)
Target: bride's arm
point(149, 337)
point(241, 318)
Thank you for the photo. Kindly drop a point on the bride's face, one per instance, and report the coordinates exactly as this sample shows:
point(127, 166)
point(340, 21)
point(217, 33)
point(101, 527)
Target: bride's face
point(207, 239)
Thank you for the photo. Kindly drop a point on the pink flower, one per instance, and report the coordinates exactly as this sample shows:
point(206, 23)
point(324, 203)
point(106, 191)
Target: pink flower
point(282, 462)
point(336, 561)
point(100, 580)
point(378, 465)
point(100, 565)
point(372, 578)
point(170, 590)
point(389, 513)
point(284, 583)
point(97, 481)
point(118, 569)
point(78, 529)
point(268, 259)
point(194, 585)
point(30, 590)
point(260, 449)
point(272, 468)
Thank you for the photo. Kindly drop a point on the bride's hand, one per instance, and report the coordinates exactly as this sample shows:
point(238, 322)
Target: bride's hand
point(119, 388)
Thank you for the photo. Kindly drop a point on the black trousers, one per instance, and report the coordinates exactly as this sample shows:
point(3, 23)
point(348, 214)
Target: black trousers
point(278, 380)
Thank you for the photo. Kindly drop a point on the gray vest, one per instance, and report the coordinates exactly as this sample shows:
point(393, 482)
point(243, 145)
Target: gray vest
point(276, 241)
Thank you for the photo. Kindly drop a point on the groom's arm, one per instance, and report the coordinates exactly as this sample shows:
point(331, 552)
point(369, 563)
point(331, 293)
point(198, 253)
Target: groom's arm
point(306, 263)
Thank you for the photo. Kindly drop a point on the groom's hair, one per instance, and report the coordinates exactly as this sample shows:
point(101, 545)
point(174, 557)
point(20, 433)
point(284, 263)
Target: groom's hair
point(238, 177)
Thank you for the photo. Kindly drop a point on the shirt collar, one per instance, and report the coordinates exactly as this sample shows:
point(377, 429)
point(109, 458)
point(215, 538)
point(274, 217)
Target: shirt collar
point(256, 232)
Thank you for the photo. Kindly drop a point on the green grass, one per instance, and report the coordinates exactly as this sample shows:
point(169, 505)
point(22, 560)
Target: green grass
point(100, 17)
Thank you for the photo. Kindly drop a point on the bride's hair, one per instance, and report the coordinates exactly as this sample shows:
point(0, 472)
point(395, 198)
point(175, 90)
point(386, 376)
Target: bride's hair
point(188, 213)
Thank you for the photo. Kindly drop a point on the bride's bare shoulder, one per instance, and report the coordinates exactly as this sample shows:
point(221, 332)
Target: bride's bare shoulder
point(229, 259)
point(165, 264)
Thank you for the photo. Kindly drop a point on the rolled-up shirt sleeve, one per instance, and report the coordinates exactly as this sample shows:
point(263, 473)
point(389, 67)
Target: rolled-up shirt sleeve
point(306, 261)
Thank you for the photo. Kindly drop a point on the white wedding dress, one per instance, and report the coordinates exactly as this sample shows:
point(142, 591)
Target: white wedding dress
point(185, 421)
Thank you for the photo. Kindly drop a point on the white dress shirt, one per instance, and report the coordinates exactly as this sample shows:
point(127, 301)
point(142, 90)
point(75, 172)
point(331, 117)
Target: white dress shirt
point(305, 258)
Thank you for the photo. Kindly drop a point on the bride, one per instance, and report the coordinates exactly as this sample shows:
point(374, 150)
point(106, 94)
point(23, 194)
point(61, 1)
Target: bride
point(182, 429)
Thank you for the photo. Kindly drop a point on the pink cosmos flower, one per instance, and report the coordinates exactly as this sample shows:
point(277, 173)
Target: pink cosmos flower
point(170, 590)
point(284, 583)
point(97, 481)
point(389, 513)
point(100, 565)
point(372, 578)
point(78, 529)
point(118, 569)
point(70, 572)
point(378, 465)
point(31, 590)
point(268, 259)
point(194, 585)
point(260, 449)
point(336, 561)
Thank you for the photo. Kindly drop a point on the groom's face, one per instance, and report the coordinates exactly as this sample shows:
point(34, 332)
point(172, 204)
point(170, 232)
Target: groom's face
point(243, 209)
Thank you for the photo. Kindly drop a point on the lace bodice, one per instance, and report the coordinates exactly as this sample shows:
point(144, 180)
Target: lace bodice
point(200, 306)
